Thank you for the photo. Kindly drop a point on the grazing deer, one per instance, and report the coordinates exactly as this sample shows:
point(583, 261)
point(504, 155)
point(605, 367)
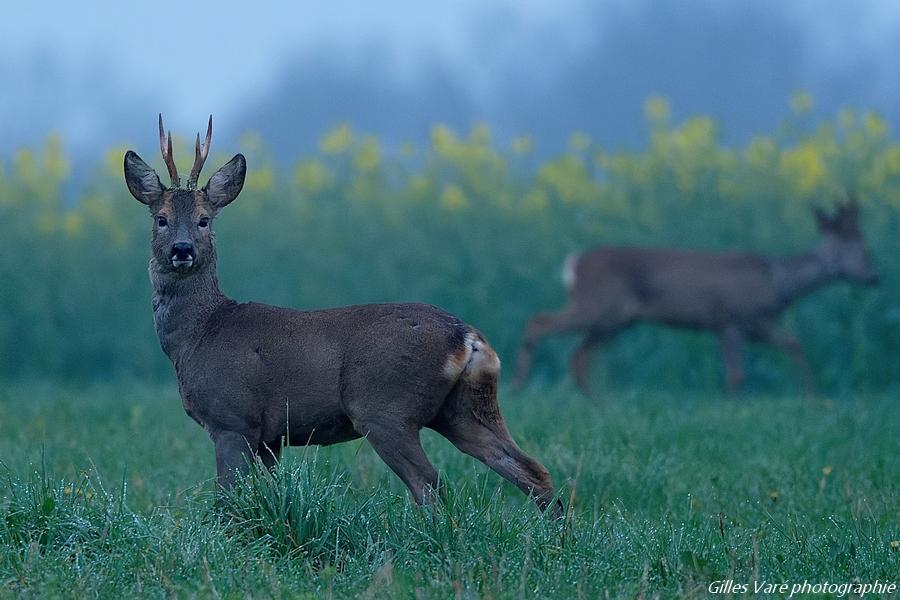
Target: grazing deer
point(258, 376)
point(737, 295)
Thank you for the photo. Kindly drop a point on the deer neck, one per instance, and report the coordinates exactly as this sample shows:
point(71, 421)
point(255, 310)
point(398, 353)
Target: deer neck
point(798, 275)
point(182, 304)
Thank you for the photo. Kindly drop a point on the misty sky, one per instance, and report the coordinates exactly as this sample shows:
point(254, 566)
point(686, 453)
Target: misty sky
point(292, 69)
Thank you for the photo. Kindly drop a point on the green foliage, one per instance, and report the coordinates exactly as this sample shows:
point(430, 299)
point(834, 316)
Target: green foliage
point(478, 230)
point(106, 492)
point(299, 510)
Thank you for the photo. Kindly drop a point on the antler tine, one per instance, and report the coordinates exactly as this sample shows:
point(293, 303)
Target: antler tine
point(166, 149)
point(200, 154)
point(162, 137)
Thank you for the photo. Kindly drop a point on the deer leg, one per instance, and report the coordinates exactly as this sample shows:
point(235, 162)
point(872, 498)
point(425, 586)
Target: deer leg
point(525, 356)
point(403, 453)
point(539, 327)
point(494, 447)
point(233, 452)
point(732, 340)
point(580, 363)
point(787, 342)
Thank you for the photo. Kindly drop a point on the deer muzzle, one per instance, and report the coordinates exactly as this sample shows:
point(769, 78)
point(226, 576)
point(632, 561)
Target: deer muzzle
point(182, 256)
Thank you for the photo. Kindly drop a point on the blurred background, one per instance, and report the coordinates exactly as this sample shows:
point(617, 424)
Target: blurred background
point(448, 153)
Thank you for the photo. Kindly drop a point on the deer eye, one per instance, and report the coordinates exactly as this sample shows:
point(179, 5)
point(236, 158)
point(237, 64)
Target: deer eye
point(203, 223)
point(161, 222)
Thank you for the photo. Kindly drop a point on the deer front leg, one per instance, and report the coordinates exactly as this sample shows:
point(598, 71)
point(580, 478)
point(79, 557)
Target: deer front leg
point(732, 341)
point(234, 451)
point(786, 341)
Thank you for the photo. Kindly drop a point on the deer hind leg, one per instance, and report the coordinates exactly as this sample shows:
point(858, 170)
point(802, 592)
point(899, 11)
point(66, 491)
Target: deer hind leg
point(494, 447)
point(471, 420)
point(540, 326)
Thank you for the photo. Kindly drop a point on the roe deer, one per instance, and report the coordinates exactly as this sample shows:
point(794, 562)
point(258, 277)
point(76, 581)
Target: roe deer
point(737, 295)
point(257, 376)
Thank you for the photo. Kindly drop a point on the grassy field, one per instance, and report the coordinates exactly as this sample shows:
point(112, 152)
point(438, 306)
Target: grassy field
point(106, 491)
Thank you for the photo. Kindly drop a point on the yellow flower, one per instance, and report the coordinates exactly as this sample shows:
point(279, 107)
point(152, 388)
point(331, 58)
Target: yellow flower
point(73, 224)
point(874, 125)
point(535, 200)
point(453, 198)
point(826, 470)
point(657, 109)
point(522, 145)
point(774, 495)
point(56, 165)
point(337, 140)
point(260, 179)
point(568, 177)
point(112, 161)
point(480, 135)
point(804, 166)
point(443, 139)
point(579, 142)
point(801, 102)
point(311, 175)
point(368, 156)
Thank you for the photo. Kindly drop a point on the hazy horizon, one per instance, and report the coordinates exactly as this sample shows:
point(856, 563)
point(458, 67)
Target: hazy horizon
point(294, 70)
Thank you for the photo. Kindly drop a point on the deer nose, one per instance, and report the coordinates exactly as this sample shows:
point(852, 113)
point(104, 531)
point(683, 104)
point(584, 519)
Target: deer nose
point(182, 251)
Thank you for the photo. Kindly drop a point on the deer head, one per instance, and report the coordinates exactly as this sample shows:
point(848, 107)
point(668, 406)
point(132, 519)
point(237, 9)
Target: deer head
point(183, 240)
point(842, 248)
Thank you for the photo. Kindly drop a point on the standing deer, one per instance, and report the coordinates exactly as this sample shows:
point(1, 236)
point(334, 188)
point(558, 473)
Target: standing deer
point(737, 295)
point(256, 376)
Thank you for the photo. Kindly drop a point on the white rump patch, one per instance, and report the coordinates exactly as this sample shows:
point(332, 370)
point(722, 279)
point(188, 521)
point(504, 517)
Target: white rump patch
point(458, 360)
point(568, 271)
point(474, 358)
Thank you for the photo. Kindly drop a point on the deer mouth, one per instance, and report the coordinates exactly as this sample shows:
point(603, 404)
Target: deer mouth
point(182, 264)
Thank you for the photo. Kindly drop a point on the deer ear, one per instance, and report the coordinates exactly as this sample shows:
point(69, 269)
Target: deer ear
point(142, 180)
point(226, 183)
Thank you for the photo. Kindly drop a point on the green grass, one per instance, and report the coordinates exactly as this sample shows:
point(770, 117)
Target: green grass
point(106, 491)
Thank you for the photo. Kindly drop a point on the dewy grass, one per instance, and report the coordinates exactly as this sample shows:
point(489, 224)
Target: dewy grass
point(297, 509)
point(670, 494)
point(72, 520)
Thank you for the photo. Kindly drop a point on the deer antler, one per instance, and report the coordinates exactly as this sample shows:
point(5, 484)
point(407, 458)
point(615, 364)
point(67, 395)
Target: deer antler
point(200, 155)
point(166, 150)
